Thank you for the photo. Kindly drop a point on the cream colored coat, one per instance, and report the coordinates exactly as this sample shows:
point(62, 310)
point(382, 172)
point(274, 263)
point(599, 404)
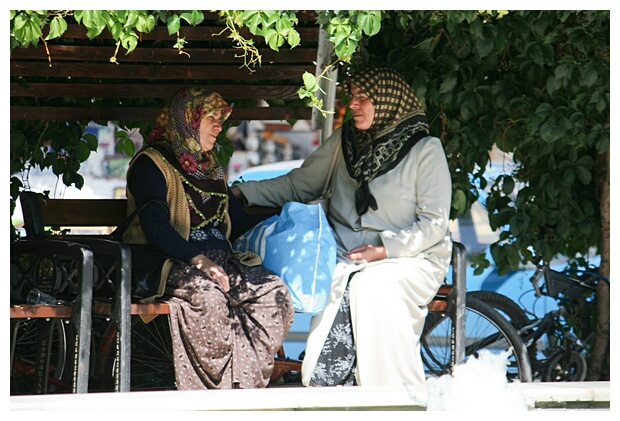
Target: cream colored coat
point(388, 298)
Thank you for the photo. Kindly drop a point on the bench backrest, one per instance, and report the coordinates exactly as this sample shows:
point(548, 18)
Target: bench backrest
point(40, 213)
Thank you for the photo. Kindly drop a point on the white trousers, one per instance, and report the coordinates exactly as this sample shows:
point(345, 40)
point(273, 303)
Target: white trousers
point(388, 300)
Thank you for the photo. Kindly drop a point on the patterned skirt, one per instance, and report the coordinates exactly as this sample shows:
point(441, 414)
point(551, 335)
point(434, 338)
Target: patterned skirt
point(336, 363)
point(226, 340)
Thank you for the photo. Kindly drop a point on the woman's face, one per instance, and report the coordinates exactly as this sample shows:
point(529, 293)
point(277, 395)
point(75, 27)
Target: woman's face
point(210, 127)
point(362, 108)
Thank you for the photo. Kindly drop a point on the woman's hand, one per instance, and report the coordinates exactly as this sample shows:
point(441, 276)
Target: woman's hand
point(212, 270)
point(367, 252)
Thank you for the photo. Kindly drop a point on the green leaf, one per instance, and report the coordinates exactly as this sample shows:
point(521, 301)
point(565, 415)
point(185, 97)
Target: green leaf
point(129, 41)
point(550, 131)
point(31, 32)
point(310, 82)
point(180, 44)
point(339, 38)
point(563, 72)
point(58, 166)
point(548, 52)
point(283, 26)
point(459, 201)
point(82, 152)
point(448, 63)
point(589, 75)
point(94, 21)
point(91, 140)
point(145, 23)
point(508, 184)
point(370, 22)
point(293, 38)
point(448, 83)
point(274, 39)
point(223, 150)
point(584, 175)
point(303, 93)
point(93, 32)
point(116, 29)
point(38, 155)
point(544, 110)
point(129, 148)
point(123, 16)
point(58, 26)
point(553, 84)
point(272, 17)
point(193, 17)
point(173, 24)
point(19, 21)
point(577, 120)
point(563, 228)
point(485, 46)
point(534, 52)
point(254, 23)
point(131, 19)
point(73, 178)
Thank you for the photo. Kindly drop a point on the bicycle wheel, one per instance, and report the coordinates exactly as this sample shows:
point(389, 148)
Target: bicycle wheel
point(507, 307)
point(513, 312)
point(561, 370)
point(485, 328)
point(32, 342)
point(152, 367)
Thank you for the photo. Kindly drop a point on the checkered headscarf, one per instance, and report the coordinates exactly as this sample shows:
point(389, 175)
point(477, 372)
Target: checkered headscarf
point(399, 122)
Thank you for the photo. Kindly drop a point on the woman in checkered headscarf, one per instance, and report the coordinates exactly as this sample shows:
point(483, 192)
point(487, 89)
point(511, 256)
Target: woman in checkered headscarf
point(389, 209)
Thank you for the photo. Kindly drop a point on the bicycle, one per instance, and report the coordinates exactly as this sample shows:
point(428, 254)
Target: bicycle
point(561, 356)
point(29, 373)
point(485, 329)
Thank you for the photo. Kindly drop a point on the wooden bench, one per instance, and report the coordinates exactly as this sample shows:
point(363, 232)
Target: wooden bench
point(103, 215)
point(108, 213)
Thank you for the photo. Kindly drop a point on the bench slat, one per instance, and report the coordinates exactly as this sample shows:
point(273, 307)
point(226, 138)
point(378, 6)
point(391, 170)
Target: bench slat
point(83, 212)
point(136, 308)
point(40, 312)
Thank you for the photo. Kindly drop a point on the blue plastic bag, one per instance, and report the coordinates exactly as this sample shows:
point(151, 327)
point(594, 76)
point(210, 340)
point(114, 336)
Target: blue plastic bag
point(299, 246)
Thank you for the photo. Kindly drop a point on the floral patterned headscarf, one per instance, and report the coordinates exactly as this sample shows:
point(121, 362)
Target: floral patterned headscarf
point(179, 126)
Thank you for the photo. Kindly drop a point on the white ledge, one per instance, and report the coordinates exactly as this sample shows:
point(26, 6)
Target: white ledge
point(537, 395)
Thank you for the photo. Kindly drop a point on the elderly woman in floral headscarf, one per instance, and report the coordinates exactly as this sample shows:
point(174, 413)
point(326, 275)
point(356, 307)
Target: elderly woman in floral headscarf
point(227, 319)
point(389, 209)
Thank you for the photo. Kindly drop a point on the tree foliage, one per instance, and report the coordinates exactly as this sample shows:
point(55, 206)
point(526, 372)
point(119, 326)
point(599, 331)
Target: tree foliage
point(534, 83)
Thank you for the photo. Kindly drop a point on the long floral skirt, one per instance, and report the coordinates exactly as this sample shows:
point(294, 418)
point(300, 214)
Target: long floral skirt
point(226, 340)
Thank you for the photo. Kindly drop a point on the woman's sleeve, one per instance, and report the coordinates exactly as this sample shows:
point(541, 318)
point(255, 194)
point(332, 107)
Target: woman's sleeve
point(240, 220)
point(146, 182)
point(300, 185)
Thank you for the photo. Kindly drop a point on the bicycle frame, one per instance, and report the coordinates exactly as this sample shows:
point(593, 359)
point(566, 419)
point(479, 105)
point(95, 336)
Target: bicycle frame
point(563, 354)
